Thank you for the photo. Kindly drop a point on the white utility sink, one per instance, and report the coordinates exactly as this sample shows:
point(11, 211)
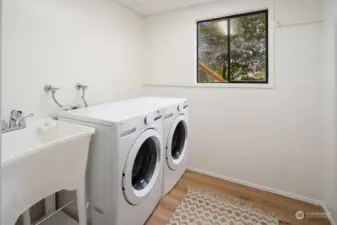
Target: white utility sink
point(45, 157)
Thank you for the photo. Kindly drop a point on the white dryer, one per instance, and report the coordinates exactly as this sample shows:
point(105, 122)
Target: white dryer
point(124, 171)
point(175, 132)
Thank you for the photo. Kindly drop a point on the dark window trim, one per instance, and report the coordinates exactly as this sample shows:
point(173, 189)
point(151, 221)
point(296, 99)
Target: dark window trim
point(228, 27)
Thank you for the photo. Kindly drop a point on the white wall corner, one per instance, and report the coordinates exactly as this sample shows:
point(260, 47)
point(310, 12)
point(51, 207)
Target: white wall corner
point(328, 213)
point(329, 108)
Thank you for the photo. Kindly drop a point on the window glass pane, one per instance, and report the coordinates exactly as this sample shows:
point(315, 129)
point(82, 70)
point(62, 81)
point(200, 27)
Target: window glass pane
point(248, 48)
point(212, 51)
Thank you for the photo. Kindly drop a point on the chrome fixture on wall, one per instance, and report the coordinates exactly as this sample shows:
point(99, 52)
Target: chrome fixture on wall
point(49, 88)
point(82, 87)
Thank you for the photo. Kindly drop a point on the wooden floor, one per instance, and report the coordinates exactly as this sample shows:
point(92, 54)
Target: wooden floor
point(282, 206)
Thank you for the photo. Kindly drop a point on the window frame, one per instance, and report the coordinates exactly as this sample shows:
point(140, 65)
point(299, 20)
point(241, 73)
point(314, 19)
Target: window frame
point(263, 82)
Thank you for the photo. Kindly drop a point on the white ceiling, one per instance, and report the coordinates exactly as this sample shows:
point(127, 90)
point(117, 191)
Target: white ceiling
point(148, 7)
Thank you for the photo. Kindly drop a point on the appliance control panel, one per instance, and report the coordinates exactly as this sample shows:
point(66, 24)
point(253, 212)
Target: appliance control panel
point(182, 106)
point(149, 119)
point(152, 117)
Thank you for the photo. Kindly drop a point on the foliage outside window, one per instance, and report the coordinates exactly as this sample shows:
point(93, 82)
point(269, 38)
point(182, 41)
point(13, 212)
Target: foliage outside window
point(233, 49)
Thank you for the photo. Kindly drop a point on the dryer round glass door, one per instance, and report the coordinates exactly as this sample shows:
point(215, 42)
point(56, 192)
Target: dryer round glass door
point(142, 167)
point(177, 142)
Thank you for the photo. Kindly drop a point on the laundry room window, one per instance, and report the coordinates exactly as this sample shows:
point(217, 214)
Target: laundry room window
point(233, 49)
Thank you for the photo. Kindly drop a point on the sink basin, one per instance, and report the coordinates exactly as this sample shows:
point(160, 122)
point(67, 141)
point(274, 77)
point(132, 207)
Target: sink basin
point(45, 157)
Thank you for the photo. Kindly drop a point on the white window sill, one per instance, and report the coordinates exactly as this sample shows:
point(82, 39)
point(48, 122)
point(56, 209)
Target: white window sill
point(215, 85)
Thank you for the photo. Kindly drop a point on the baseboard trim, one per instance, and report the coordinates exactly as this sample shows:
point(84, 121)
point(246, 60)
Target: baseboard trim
point(269, 189)
point(260, 187)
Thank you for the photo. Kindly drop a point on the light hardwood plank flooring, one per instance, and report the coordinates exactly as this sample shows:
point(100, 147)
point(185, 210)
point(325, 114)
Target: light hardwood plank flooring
point(282, 206)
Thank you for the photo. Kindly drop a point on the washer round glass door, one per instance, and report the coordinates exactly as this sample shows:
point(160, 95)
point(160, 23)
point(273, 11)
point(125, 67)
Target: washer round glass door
point(142, 167)
point(177, 142)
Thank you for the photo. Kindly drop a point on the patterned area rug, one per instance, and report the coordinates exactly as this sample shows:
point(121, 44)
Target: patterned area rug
point(201, 207)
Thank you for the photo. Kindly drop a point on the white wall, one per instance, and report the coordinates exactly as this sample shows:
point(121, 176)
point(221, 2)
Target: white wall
point(329, 111)
point(273, 137)
point(269, 137)
point(61, 42)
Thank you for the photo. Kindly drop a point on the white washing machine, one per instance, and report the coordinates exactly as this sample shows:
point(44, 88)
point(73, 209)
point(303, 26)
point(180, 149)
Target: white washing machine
point(124, 172)
point(175, 131)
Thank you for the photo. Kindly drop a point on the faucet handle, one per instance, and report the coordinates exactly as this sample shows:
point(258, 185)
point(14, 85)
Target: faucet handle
point(50, 88)
point(4, 125)
point(79, 86)
point(22, 121)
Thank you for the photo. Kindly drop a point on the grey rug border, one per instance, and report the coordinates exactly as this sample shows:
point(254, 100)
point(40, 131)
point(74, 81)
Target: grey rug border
point(191, 188)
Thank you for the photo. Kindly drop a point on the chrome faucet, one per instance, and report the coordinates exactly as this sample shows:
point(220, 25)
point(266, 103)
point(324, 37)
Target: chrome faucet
point(22, 121)
point(16, 122)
